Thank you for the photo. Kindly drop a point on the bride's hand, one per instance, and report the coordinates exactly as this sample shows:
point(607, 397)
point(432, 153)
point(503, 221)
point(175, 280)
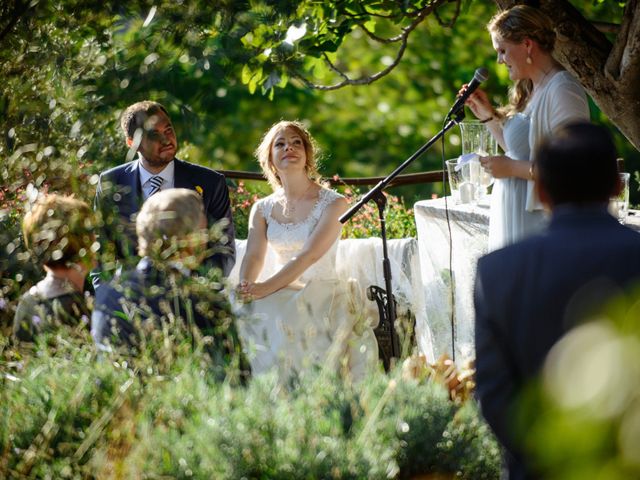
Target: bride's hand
point(242, 286)
point(255, 290)
point(244, 291)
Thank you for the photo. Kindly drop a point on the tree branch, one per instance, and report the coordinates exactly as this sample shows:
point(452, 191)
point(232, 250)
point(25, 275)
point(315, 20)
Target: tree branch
point(422, 14)
point(378, 39)
point(333, 67)
point(630, 62)
point(613, 64)
point(366, 80)
point(406, 13)
point(606, 27)
point(366, 13)
point(504, 4)
point(357, 81)
point(451, 22)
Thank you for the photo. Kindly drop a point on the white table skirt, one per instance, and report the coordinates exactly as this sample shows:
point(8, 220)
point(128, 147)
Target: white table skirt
point(469, 239)
point(469, 233)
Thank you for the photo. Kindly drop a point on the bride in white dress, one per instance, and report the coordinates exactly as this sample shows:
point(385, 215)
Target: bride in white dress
point(302, 316)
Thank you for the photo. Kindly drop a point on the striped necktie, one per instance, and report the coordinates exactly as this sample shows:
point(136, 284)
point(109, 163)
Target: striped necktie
point(156, 183)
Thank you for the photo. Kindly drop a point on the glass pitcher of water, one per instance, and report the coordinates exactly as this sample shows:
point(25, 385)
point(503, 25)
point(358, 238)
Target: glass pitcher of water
point(476, 138)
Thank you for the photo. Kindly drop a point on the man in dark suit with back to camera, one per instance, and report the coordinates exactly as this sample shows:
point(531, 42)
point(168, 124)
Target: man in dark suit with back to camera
point(528, 295)
point(165, 289)
point(122, 189)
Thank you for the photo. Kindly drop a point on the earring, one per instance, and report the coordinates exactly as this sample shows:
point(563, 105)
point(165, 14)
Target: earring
point(529, 61)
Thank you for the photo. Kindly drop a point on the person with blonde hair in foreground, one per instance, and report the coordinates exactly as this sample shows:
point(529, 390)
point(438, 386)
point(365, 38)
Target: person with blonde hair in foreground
point(58, 232)
point(166, 289)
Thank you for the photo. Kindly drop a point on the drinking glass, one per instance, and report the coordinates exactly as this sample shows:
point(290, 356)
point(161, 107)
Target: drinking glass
point(619, 205)
point(462, 190)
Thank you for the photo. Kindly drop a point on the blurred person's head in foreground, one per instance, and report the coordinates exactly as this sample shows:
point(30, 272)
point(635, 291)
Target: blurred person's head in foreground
point(577, 165)
point(58, 231)
point(171, 227)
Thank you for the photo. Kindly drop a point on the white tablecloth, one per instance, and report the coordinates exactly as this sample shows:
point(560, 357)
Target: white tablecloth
point(469, 237)
point(469, 225)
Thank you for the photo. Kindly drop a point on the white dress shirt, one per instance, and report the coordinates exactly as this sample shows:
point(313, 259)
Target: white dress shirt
point(167, 175)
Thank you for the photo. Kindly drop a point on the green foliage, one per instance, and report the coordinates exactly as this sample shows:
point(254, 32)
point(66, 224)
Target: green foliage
point(399, 220)
point(419, 419)
point(55, 406)
point(67, 414)
point(243, 196)
point(65, 82)
point(17, 269)
point(264, 432)
point(582, 418)
point(469, 446)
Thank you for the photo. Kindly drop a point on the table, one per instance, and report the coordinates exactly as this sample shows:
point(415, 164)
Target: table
point(469, 226)
point(633, 220)
point(469, 237)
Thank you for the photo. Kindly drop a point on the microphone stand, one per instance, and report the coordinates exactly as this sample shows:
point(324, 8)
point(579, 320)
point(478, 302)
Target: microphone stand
point(376, 195)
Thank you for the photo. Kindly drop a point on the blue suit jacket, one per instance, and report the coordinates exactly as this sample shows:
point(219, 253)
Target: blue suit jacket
point(529, 294)
point(149, 292)
point(119, 192)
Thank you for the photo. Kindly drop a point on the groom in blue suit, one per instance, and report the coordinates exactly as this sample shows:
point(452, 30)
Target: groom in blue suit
point(122, 189)
point(528, 295)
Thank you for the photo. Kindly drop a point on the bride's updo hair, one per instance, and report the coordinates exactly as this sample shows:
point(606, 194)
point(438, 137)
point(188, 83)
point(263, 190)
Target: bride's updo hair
point(263, 152)
point(515, 25)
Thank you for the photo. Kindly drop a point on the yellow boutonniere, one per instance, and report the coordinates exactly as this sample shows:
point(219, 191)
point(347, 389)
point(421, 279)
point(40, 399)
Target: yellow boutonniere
point(199, 189)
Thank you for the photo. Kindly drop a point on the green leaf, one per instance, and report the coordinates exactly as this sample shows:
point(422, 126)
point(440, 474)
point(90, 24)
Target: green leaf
point(247, 73)
point(370, 25)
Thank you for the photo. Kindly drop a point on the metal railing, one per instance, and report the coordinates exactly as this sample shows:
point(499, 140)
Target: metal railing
point(435, 176)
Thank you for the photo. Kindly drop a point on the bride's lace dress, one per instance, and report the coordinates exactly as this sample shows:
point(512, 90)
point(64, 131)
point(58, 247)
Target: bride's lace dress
point(315, 321)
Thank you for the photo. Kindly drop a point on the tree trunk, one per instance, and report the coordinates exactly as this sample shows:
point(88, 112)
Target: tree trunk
point(609, 73)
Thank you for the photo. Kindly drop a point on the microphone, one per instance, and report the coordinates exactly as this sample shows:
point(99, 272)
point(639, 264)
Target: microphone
point(480, 75)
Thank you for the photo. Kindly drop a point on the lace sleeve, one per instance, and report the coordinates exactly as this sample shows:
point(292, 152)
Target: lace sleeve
point(264, 206)
point(325, 198)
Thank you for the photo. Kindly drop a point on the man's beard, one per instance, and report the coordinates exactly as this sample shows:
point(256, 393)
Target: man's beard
point(159, 162)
